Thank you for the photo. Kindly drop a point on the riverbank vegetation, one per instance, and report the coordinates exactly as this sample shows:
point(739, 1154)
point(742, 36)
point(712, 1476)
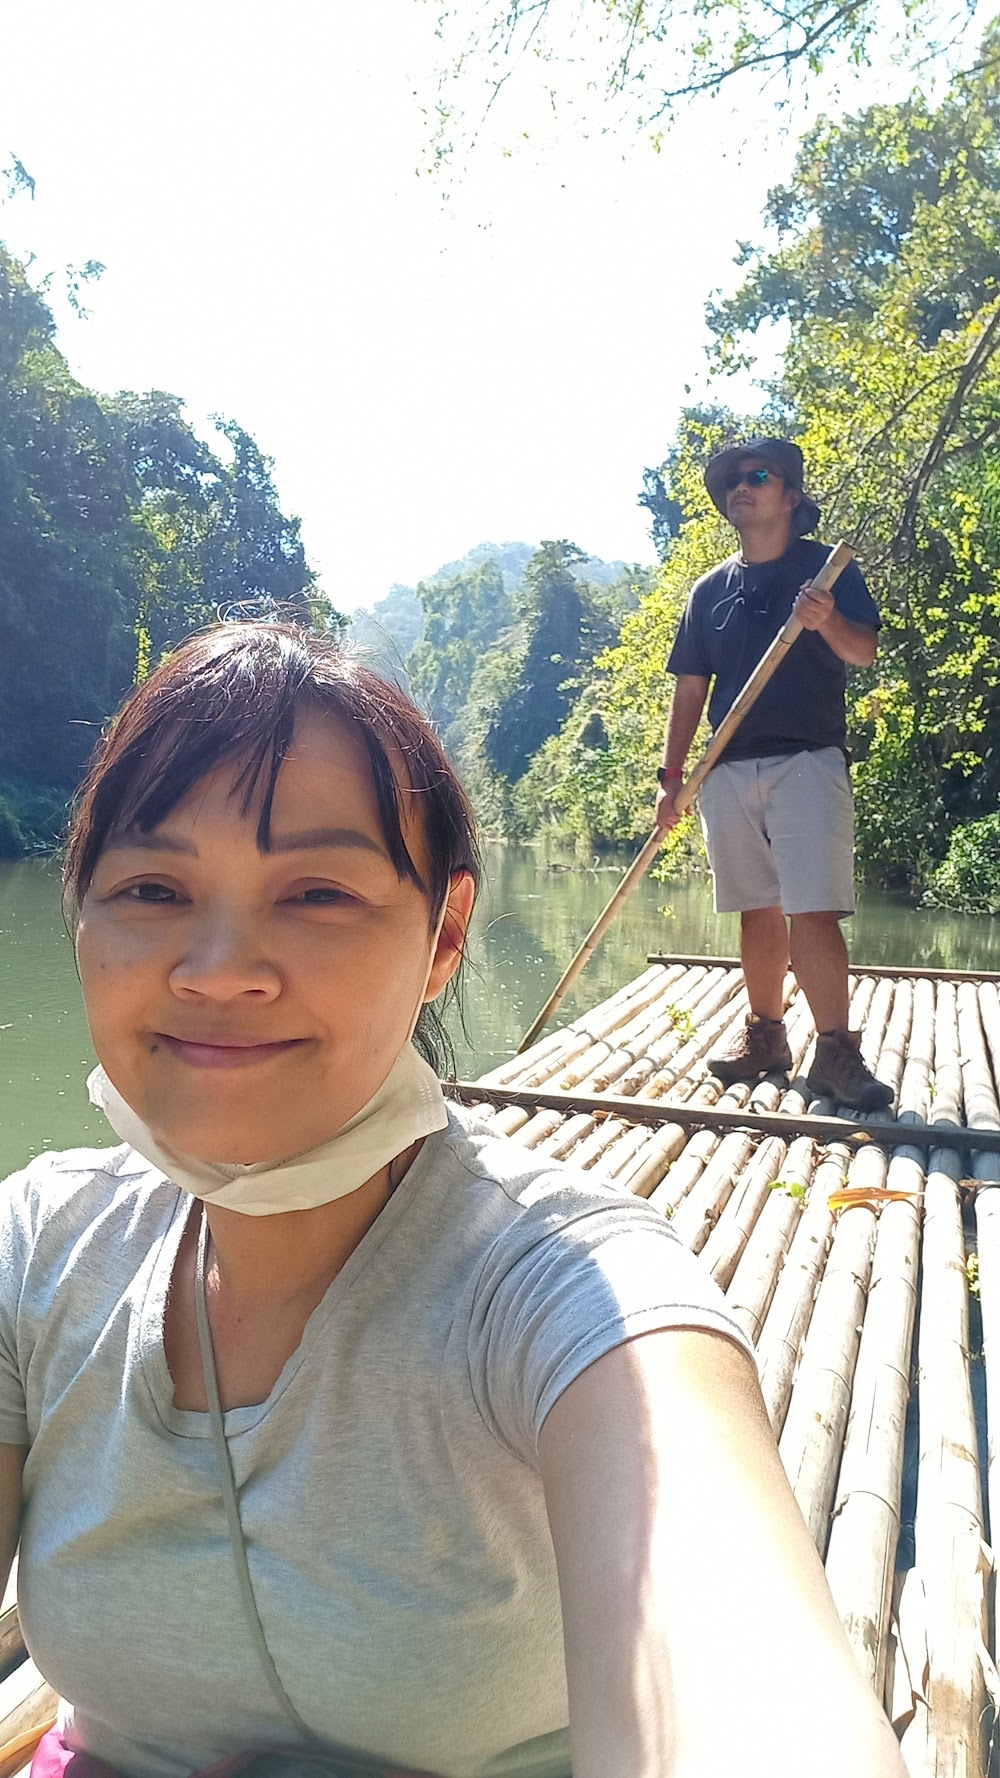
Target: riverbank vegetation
point(120, 533)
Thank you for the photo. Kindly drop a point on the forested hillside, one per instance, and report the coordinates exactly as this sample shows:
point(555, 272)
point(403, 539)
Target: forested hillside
point(507, 641)
point(120, 532)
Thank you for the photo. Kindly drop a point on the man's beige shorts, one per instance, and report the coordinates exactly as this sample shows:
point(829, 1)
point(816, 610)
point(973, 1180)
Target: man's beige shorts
point(780, 833)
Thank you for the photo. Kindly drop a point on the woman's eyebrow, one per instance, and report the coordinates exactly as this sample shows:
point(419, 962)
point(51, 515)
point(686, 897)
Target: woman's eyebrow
point(311, 839)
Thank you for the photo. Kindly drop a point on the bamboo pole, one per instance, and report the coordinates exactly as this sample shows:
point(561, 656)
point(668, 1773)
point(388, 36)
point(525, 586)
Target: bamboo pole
point(864, 1535)
point(12, 1649)
point(918, 1063)
point(944, 1739)
point(895, 971)
point(703, 1206)
point(981, 1037)
point(989, 1012)
point(654, 1160)
point(981, 1109)
point(788, 1318)
point(661, 1021)
point(28, 1708)
point(731, 1233)
point(812, 1438)
point(656, 1112)
point(592, 1025)
point(685, 1173)
point(753, 1283)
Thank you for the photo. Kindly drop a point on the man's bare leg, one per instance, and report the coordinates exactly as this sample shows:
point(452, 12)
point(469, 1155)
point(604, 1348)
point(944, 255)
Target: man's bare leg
point(764, 955)
point(819, 959)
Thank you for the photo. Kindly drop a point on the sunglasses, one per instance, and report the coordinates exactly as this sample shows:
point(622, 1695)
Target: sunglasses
point(754, 478)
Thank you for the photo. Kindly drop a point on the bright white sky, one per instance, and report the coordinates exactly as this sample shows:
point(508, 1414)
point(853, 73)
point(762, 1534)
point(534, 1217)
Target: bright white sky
point(425, 374)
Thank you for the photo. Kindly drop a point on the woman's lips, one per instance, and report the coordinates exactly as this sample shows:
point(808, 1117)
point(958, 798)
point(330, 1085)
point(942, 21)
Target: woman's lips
point(226, 1055)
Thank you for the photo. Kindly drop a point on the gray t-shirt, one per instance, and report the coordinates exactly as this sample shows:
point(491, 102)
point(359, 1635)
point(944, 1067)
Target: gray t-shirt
point(389, 1493)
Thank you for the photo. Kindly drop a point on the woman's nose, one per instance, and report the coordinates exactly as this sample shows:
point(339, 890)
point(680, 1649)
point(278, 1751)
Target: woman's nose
point(224, 960)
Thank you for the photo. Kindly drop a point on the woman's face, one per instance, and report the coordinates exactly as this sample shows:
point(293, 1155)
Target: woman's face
point(247, 1004)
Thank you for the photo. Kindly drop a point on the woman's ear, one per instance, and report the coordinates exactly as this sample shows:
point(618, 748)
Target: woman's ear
point(452, 935)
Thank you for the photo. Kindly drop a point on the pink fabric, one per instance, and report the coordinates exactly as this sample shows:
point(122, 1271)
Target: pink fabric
point(53, 1759)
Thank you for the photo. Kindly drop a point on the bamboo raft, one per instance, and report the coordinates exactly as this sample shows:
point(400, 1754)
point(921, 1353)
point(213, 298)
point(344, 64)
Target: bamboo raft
point(863, 1257)
point(862, 1254)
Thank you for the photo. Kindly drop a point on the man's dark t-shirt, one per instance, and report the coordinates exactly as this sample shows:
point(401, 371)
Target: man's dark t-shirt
point(734, 614)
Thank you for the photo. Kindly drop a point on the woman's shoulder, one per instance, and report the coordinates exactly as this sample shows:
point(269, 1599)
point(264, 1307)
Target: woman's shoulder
point(72, 1189)
point(528, 1195)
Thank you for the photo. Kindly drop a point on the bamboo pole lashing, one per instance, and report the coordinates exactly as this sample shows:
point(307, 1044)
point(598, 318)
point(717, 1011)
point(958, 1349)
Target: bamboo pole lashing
point(721, 1119)
point(864, 1533)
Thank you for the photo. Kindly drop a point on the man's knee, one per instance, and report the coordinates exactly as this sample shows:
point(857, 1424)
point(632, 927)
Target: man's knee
point(761, 917)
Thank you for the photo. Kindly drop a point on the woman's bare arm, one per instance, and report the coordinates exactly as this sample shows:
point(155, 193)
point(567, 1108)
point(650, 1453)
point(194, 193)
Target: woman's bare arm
point(700, 1634)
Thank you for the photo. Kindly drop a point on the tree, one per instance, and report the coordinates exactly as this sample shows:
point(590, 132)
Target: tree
point(860, 191)
point(120, 532)
point(552, 621)
point(464, 616)
point(648, 56)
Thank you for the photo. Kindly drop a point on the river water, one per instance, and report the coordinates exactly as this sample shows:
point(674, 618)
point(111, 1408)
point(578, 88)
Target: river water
point(531, 917)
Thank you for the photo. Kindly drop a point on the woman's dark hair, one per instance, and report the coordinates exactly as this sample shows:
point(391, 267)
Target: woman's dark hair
point(233, 694)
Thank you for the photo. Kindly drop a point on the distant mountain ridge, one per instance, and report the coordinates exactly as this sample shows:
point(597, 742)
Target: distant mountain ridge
point(388, 630)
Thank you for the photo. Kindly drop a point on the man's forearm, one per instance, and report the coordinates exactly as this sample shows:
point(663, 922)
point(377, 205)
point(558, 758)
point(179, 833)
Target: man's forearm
point(857, 644)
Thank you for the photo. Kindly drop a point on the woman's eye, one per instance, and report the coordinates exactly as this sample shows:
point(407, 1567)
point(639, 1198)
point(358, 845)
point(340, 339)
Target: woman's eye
point(321, 896)
point(155, 892)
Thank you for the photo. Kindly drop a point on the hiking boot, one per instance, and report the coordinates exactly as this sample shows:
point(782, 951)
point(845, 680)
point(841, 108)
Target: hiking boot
point(839, 1073)
point(760, 1048)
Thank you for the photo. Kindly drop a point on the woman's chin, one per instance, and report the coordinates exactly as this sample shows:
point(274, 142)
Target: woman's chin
point(233, 1148)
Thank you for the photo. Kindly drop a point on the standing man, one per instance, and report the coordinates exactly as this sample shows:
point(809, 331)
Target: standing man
point(777, 810)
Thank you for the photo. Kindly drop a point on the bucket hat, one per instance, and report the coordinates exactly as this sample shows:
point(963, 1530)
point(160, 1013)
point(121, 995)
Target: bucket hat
point(782, 455)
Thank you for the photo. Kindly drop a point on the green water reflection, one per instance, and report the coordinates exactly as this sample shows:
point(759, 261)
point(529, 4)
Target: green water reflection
point(530, 919)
